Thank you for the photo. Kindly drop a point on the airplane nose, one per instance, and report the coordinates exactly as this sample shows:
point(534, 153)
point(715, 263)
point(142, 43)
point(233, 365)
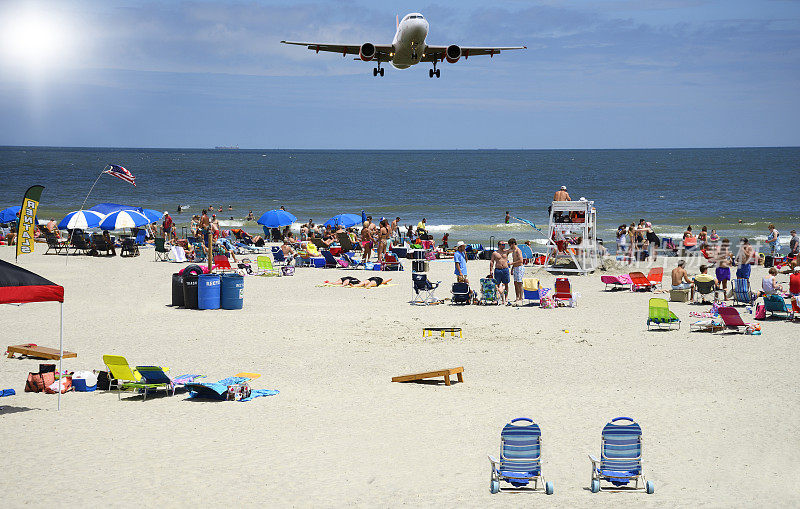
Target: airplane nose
point(419, 29)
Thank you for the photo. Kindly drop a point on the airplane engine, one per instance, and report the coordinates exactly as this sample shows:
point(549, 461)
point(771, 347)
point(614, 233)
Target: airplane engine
point(453, 53)
point(366, 52)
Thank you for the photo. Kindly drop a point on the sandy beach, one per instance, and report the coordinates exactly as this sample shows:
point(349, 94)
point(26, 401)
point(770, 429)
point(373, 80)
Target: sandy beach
point(717, 410)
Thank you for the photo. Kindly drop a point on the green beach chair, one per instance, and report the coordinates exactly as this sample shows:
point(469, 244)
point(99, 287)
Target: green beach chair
point(265, 267)
point(119, 371)
point(659, 315)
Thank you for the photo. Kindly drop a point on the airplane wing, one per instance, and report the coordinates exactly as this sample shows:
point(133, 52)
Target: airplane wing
point(438, 52)
point(382, 51)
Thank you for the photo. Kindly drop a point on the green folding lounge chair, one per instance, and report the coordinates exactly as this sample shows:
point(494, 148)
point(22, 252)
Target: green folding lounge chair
point(126, 378)
point(265, 267)
point(660, 316)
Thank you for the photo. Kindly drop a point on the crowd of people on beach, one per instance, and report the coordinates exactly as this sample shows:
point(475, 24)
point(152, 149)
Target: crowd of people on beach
point(720, 254)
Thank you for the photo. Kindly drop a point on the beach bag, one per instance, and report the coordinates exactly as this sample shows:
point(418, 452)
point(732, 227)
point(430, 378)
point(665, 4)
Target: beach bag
point(38, 382)
point(103, 381)
point(768, 261)
point(287, 270)
point(761, 312)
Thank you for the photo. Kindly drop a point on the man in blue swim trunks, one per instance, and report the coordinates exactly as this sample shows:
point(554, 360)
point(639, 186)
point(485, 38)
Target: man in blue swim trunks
point(498, 270)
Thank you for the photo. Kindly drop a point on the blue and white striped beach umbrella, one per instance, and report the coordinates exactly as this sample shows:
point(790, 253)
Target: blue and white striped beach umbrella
point(81, 219)
point(152, 215)
point(123, 219)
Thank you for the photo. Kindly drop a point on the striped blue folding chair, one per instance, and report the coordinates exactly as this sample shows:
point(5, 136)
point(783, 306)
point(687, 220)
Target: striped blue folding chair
point(520, 457)
point(620, 457)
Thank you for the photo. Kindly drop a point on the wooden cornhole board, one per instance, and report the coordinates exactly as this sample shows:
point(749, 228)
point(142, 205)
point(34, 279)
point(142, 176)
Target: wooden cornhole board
point(433, 374)
point(37, 351)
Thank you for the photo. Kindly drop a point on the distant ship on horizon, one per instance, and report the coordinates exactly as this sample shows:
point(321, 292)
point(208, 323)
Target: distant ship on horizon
point(232, 147)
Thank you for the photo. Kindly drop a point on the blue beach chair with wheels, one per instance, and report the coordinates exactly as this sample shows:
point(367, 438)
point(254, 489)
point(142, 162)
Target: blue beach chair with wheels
point(620, 457)
point(520, 457)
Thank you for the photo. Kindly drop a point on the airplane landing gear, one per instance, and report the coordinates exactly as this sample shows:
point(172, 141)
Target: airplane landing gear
point(434, 72)
point(378, 70)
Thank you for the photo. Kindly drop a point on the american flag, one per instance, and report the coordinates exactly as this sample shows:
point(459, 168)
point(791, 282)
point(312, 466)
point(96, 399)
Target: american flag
point(120, 173)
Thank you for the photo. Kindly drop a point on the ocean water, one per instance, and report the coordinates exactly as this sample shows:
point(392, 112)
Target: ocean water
point(738, 191)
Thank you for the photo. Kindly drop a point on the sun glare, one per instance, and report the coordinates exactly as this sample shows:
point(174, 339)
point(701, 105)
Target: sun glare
point(33, 38)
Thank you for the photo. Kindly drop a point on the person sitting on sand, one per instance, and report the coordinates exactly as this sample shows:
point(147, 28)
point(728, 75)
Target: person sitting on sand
point(289, 252)
point(704, 277)
point(769, 286)
point(52, 227)
point(109, 243)
point(680, 278)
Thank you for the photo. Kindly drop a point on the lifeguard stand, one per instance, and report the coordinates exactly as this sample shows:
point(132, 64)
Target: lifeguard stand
point(572, 237)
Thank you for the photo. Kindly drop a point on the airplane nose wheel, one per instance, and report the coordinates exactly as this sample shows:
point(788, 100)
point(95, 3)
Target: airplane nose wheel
point(378, 70)
point(434, 72)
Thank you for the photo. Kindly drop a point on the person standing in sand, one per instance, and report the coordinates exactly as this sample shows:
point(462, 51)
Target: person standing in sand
point(774, 241)
point(383, 239)
point(498, 270)
point(517, 268)
point(395, 229)
point(366, 242)
point(723, 271)
point(743, 259)
point(460, 259)
point(204, 227)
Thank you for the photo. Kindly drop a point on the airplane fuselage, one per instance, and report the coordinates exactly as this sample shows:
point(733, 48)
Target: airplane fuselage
point(409, 41)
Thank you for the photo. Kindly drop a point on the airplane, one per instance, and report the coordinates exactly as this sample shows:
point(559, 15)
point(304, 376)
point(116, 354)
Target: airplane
point(408, 48)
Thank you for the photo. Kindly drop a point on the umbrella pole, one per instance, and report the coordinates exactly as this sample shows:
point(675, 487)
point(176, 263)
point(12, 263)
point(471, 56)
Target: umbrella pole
point(69, 239)
point(60, 352)
point(210, 237)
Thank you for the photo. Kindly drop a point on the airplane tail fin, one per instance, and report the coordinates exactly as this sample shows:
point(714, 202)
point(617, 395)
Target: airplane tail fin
point(397, 21)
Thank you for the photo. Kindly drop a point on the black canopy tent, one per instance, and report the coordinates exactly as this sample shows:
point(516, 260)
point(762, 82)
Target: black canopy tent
point(20, 286)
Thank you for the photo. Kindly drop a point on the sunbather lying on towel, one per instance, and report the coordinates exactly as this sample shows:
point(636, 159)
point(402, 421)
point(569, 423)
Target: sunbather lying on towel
point(345, 281)
point(373, 282)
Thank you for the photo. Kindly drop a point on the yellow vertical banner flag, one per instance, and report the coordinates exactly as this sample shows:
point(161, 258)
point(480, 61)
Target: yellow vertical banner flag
point(27, 220)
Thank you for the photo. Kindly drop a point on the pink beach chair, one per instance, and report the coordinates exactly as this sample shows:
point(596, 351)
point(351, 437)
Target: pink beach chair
point(732, 320)
point(620, 281)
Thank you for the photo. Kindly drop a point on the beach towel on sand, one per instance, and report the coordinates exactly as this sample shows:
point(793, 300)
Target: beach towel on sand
point(219, 390)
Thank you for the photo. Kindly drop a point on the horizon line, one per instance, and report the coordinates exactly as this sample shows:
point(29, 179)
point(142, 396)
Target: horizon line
point(276, 149)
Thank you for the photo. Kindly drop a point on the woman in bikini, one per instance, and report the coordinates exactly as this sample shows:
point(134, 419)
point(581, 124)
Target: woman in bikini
point(346, 281)
point(373, 282)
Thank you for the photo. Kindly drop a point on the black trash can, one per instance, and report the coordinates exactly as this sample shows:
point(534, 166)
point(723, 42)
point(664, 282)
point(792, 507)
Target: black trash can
point(177, 290)
point(190, 291)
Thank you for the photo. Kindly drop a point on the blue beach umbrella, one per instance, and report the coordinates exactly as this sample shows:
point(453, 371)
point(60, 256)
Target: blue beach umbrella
point(276, 219)
point(81, 219)
point(152, 215)
point(346, 220)
point(123, 219)
point(9, 214)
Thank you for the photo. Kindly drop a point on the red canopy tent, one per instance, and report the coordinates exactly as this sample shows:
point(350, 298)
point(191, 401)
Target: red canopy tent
point(19, 286)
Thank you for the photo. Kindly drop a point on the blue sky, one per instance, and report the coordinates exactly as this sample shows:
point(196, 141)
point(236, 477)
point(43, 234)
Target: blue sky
point(597, 74)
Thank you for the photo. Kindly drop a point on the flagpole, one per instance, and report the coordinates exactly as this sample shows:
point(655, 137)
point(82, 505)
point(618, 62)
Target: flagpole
point(69, 239)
